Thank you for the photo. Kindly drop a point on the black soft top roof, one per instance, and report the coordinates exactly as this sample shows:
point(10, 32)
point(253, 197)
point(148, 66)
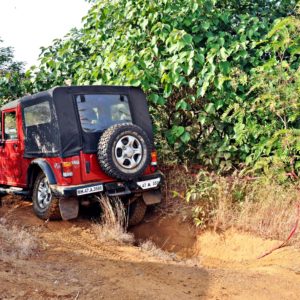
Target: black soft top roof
point(63, 136)
point(14, 104)
point(68, 89)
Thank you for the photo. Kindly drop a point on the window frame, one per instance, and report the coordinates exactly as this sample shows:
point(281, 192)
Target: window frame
point(33, 105)
point(94, 94)
point(4, 113)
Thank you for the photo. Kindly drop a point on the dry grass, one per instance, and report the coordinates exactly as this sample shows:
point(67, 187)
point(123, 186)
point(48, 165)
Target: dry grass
point(153, 250)
point(112, 228)
point(150, 248)
point(260, 206)
point(266, 209)
point(269, 210)
point(16, 242)
point(177, 181)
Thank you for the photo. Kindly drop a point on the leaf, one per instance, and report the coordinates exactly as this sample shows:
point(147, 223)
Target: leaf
point(181, 104)
point(167, 90)
point(135, 82)
point(188, 39)
point(190, 67)
point(204, 87)
point(177, 131)
point(205, 25)
point(202, 119)
point(185, 138)
point(51, 64)
point(161, 101)
point(227, 155)
point(154, 98)
point(199, 57)
point(210, 108)
point(224, 67)
point(223, 54)
point(192, 82)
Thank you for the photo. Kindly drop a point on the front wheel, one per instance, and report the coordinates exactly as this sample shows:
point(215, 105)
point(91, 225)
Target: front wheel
point(45, 205)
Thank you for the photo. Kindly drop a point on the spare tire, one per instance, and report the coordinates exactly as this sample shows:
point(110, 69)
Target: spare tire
point(124, 151)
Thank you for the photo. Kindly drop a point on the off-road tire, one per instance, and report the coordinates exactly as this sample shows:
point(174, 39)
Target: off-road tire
point(106, 148)
point(51, 212)
point(137, 211)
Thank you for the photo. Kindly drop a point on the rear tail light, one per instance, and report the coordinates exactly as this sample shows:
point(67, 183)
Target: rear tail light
point(153, 160)
point(67, 169)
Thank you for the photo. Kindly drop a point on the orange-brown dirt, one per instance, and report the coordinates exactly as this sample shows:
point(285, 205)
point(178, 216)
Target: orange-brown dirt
point(72, 264)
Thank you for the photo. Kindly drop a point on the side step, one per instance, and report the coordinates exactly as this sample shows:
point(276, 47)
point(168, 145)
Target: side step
point(14, 191)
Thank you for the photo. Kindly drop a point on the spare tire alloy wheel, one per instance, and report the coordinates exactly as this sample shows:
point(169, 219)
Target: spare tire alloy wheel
point(124, 151)
point(128, 152)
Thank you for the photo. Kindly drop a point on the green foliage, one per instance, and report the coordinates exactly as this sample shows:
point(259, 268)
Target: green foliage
point(10, 75)
point(266, 121)
point(220, 75)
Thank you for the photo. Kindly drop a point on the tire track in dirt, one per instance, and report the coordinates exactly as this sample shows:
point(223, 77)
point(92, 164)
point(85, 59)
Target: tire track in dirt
point(73, 263)
point(83, 242)
point(124, 271)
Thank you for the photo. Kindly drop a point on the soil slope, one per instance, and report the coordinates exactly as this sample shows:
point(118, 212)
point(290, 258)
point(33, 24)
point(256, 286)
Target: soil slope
point(72, 264)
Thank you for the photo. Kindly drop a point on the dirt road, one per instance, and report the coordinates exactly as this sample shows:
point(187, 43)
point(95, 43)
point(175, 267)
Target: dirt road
point(72, 264)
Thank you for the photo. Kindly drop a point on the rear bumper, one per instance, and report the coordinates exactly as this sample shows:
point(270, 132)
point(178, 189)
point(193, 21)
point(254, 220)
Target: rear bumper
point(112, 189)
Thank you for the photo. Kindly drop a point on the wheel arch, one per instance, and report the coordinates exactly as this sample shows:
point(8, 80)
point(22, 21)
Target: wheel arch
point(37, 166)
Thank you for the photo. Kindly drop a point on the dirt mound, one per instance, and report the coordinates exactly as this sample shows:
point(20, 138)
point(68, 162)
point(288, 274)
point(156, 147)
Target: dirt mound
point(231, 249)
point(169, 234)
point(232, 246)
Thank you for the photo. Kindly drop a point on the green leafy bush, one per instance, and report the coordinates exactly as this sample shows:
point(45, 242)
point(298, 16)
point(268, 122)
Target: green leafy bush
point(215, 72)
point(266, 120)
point(11, 75)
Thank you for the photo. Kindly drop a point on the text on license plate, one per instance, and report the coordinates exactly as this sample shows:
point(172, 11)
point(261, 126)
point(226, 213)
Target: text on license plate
point(89, 190)
point(148, 184)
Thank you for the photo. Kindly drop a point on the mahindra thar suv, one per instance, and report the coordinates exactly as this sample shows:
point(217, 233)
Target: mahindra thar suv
point(66, 145)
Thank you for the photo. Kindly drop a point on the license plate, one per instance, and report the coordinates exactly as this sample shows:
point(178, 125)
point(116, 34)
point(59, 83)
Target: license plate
point(89, 190)
point(148, 184)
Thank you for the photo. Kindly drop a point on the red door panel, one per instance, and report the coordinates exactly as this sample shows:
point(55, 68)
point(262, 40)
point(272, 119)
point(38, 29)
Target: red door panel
point(10, 151)
point(11, 167)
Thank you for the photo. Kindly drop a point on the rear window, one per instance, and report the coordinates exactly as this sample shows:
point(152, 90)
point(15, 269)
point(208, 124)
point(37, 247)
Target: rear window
point(98, 112)
point(37, 114)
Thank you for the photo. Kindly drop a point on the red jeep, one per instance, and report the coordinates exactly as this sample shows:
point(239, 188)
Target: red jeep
point(67, 144)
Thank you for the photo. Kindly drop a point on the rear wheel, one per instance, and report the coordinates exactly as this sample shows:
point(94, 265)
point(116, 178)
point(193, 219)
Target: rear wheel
point(45, 205)
point(137, 211)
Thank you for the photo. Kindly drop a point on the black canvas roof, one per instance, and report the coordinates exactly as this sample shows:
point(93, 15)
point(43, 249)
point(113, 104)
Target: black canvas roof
point(64, 135)
point(14, 103)
point(11, 104)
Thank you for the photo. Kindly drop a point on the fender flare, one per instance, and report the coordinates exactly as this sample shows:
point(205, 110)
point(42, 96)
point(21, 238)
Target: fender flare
point(46, 168)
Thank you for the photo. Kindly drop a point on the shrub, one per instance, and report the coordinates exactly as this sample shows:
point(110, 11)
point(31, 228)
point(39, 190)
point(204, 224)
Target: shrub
point(197, 61)
point(259, 205)
point(16, 242)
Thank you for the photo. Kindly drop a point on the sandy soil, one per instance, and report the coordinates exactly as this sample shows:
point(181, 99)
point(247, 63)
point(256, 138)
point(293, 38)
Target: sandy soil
point(72, 264)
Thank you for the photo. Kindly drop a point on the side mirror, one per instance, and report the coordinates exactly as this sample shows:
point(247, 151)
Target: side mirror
point(2, 142)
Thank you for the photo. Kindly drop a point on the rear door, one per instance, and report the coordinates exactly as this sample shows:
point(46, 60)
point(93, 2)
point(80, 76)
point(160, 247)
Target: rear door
point(10, 152)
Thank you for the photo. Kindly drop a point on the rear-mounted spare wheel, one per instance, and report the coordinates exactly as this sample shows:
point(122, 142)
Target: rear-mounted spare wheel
point(124, 151)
